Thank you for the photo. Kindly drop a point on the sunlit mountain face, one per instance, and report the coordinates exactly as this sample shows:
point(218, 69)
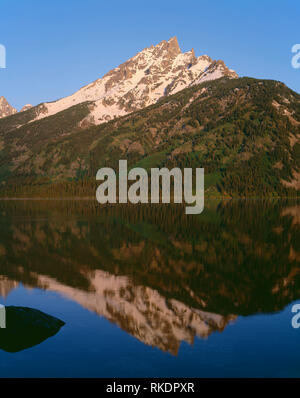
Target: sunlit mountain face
point(162, 277)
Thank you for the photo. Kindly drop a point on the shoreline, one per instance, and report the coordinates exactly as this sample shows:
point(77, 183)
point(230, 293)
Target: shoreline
point(94, 198)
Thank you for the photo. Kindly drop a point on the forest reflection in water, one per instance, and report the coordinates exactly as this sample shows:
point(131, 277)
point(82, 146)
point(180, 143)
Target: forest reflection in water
point(160, 275)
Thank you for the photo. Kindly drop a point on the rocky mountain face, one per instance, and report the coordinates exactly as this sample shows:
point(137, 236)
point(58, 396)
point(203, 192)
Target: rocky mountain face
point(5, 108)
point(152, 74)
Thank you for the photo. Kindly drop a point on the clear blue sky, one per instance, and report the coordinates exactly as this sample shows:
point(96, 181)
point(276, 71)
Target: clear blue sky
point(55, 47)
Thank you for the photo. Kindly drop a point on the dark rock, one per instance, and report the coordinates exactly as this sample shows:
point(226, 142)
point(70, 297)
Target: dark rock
point(27, 327)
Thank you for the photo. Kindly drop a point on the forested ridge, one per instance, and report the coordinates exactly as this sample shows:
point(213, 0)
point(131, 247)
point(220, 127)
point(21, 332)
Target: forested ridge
point(245, 133)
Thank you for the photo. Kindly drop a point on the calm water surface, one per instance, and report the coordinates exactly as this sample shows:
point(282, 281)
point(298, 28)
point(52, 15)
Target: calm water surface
point(148, 291)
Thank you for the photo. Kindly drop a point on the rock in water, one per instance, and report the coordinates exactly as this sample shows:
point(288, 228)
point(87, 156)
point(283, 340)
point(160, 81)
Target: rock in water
point(27, 327)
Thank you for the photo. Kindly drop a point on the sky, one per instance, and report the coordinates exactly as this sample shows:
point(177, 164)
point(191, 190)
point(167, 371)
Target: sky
point(55, 47)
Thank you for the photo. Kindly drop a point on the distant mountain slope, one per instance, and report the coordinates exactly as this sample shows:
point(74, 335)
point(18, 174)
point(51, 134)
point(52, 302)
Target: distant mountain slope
point(245, 133)
point(5, 108)
point(26, 107)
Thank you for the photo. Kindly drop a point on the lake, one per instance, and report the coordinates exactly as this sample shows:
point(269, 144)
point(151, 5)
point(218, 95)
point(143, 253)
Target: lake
point(147, 291)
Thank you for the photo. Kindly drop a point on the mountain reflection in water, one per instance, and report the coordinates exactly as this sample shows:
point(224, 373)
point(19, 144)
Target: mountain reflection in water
point(160, 275)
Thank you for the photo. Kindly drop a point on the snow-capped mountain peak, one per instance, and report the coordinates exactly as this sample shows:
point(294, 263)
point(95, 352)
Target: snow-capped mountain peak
point(153, 73)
